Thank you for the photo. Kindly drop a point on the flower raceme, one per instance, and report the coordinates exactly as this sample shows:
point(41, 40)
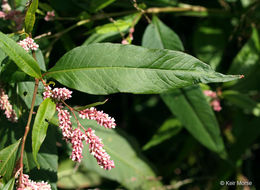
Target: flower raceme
point(28, 184)
point(28, 44)
point(214, 100)
point(6, 106)
point(75, 136)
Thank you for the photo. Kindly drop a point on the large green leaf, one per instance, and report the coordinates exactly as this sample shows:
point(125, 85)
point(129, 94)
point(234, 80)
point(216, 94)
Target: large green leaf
point(130, 170)
point(7, 160)
point(111, 68)
point(22, 59)
point(45, 112)
point(188, 104)
point(30, 16)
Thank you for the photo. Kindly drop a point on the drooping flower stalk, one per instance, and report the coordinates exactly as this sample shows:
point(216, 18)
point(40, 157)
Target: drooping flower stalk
point(75, 136)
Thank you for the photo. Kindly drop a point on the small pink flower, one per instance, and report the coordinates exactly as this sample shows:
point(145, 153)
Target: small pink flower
point(49, 16)
point(101, 117)
point(216, 105)
point(124, 41)
point(2, 14)
point(28, 44)
point(61, 94)
point(28, 184)
point(7, 107)
point(96, 149)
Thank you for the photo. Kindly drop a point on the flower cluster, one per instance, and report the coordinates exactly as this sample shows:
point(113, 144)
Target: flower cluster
point(6, 106)
point(8, 14)
point(28, 184)
point(214, 100)
point(75, 136)
point(28, 44)
point(49, 16)
point(101, 117)
point(129, 38)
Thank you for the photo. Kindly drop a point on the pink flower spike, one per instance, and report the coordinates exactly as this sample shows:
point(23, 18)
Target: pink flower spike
point(103, 119)
point(7, 107)
point(77, 145)
point(61, 94)
point(28, 44)
point(96, 149)
point(64, 122)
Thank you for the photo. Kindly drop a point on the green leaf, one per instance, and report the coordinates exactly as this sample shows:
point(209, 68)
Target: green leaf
point(130, 170)
point(111, 68)
point(168, 129)
point(30, 16)
point(9, 185)
point(40, 60)
point(158, 35)
point(192, 109)
point(189, 101)
point(243, 101)
point(22, 59)
point(79, 108)
point(47, 158)
point(45, 112)
point(8, 158)
point(70, 178)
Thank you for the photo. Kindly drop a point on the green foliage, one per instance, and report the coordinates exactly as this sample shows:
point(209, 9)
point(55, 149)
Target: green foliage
point(44, 114)
point(9, 185)
point(22, 59)
point(30, 16)
point(8, 158)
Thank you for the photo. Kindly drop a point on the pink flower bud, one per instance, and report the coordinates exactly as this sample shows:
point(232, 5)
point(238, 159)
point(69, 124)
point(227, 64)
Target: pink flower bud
point(49, 16)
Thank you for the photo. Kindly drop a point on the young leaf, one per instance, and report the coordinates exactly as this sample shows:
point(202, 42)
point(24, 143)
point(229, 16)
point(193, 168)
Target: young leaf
point(191, 107)
point(45, 112)
point(159, 36)
point(22, 59)
point(9, 185)
point(169, 128)
point(7, 160)
point(30, 16)
point(79, 108)
point(111, 68)
point(190, 101)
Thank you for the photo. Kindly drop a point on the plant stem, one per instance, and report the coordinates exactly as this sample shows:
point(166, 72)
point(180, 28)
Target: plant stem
point(27, 128)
